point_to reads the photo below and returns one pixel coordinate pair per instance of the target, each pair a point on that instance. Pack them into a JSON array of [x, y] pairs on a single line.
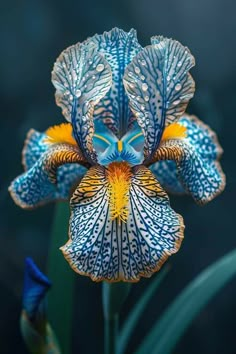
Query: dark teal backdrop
[[33, 33]]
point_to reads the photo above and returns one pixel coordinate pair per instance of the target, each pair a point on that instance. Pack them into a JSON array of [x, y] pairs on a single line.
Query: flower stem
[[111, 331], [60, 296], [113, 296]]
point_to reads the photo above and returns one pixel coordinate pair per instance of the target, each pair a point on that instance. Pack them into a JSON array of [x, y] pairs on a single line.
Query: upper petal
[[159, 87], [197, 158], [82, 78], [105, 248], [134, 137], [119, 48], [37, 185]]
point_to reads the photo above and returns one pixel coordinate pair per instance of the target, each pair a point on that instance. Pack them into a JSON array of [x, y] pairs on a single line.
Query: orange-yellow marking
[[119, 179], [61, 133], [120, 145], [174, 131]]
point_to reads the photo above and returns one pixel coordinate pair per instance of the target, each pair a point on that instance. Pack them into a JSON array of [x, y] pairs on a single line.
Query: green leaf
[[132, 320], [60, 297], [170, 327]]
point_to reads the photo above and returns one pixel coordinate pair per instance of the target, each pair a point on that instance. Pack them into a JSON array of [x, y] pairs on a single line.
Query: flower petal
[[159, 87], [107, 249], [33, 149], [46, 179], [82, 78], [119, 48], [167, 174], [197, 158]]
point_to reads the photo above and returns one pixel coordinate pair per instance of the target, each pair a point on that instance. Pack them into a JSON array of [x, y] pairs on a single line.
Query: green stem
[[113, 296], [111, 331], [60, 297]]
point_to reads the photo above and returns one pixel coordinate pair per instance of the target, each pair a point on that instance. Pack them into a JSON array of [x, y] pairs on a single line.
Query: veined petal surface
[[36, 331], [50, 177], [167, 174], [103, 137], [197, 158], [106, 249], [119, 48], [33, 149], [159, 87], [82, 77]]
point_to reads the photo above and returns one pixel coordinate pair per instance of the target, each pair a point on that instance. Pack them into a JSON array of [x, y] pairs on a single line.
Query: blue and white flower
[[127, 140]]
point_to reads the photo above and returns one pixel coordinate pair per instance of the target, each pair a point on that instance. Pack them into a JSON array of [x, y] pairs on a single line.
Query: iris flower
[[126, 142]]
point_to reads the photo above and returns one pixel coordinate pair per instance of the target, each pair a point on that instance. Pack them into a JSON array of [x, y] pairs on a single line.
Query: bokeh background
[[33, 33]]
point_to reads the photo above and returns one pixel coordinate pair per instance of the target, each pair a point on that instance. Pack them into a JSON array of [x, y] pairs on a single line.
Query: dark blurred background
[[33, 33]]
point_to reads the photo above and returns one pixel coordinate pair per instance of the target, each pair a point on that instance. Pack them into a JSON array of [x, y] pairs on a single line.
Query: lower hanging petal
[[123, 245], [52, 174], [167, 174], [34, 147], [197, 158]]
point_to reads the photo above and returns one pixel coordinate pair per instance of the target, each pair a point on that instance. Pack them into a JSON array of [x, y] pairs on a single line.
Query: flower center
[[119, 179]]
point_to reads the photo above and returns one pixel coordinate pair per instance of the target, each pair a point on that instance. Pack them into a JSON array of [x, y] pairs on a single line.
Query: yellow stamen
[[61, 133], [174, 131], [120, 145], [119, 179]]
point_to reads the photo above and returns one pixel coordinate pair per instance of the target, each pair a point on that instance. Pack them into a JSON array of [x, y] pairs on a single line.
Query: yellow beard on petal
[[174, 131], [61, 133], [119, 179]]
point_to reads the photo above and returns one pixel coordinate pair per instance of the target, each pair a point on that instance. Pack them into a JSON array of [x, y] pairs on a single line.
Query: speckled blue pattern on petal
[[159, 87], [34, 147], [202, 137], [197, 158], [119, 48], [34, 187], [104, 249]]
